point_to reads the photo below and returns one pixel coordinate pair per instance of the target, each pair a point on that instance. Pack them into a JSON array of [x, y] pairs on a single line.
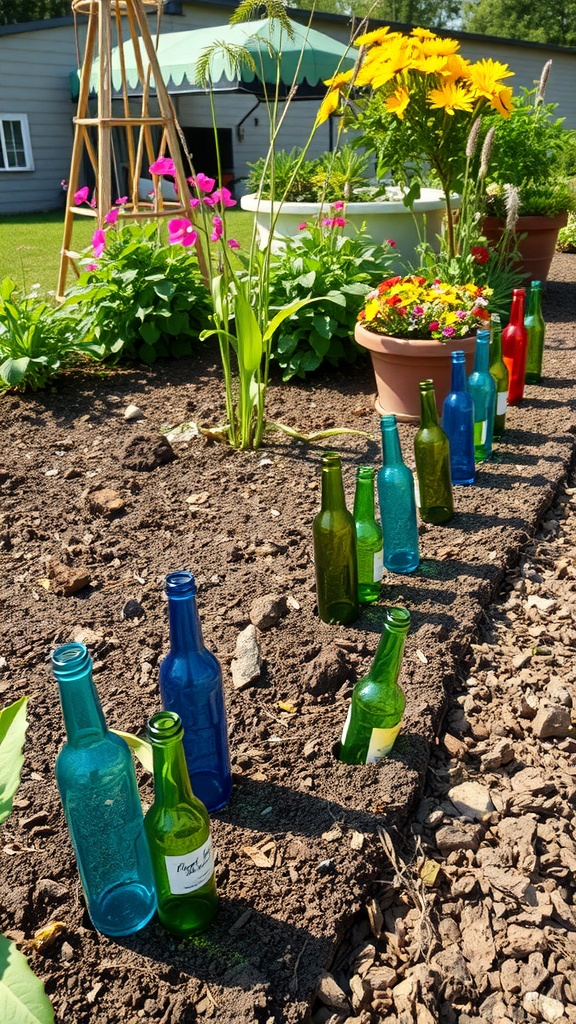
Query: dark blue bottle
[[397, 503], [458, 423], [97, 783], [482, 388], [191, 685]]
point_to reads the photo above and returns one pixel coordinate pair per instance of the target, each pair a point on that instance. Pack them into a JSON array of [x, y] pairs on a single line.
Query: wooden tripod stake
[[137, 127]]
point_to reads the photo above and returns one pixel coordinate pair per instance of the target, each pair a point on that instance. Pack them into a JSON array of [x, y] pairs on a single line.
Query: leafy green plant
[[35, 339], [141, 298], [290, 174], [22, 996], [567, 235], [337, 174], [337, 272]]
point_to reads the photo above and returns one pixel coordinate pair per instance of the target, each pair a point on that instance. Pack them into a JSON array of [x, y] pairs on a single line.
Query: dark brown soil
[[249, 536]]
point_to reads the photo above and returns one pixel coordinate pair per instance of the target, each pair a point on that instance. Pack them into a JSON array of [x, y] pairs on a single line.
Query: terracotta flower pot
[[401, 363], [538, 244]]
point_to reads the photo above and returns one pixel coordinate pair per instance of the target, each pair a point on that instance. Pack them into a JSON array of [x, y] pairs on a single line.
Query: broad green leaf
[[307, 280], [164, 289], [248, 334], [13, 727], [283, 314], [149, 354], [6, 288], [13, 371], [22, 996], [150, 333], [140, 748], [322, 326]]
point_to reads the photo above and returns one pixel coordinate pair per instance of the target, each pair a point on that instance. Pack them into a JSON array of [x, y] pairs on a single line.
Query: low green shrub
[[567, 236], [335, 175], [141, 298], [35, 339]]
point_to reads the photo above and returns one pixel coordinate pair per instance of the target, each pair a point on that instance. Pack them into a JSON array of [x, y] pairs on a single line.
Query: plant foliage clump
[[36, 339]]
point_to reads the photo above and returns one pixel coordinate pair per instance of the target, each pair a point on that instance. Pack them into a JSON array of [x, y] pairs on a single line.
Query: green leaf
[[140, 748], [13, 371], [148, 353], [283, 314], [248, 334], [322, 326], [13, 725], [150, 333], [165, 289], [22, 996]]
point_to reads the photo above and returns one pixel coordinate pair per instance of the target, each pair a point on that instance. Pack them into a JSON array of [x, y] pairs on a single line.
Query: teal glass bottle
[[482, 388], [97, 784], [534, 324], [178, 831], [191, 685], [397, 503], [458, 423], [377, 708], [499, 371], [432, 453], [335, 561], [369, 547]]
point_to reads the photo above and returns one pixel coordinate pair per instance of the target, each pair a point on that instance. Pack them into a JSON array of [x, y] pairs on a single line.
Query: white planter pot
[[382, 219]]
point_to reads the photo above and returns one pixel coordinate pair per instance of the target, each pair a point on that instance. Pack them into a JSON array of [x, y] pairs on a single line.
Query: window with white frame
[[15, 148]]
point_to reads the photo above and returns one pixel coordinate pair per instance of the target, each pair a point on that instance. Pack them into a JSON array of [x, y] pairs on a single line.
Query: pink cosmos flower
[[448, 332], [218, 229], [81, 196], [112, 216], [98, 242], [163, 165], [121, 200], [338, 205], [302, 225], [181, 231], [434, 325], [233, 244], [224, 196], [204, 183], [390, 241]]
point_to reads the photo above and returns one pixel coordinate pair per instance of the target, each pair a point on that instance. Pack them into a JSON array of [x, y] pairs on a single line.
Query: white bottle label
[[191, 870], [378, 566], [484, 431], [501, 403], [346, 724], [381, 743], [416, 490]]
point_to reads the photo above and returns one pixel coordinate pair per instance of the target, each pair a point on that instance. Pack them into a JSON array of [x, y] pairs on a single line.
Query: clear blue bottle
[[97, 784], [397, 503], [482, 388], [191, 685], [458, 423]]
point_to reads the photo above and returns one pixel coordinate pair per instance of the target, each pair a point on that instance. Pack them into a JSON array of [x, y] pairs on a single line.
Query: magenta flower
[[418, 311], [204, 183], [163, 165], [448, 332], [208, 200], [223, 196], [121, 200], [390, 241], [233, 244], [461, 314], [338, 205], [194, 201], [327, 222], [339, 222], [81, 196], [218, 229], [180, 231], [302, 225], [98, 242], [91, 266], [434, 325], [112, 216]]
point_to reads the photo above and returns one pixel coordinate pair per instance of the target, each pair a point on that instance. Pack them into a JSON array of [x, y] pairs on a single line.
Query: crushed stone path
[[475, 920]]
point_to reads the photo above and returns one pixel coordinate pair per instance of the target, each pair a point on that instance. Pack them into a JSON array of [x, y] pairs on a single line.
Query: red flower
[[480, 253]]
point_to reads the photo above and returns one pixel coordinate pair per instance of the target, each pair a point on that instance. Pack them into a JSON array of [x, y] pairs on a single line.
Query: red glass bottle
[[515, 347]]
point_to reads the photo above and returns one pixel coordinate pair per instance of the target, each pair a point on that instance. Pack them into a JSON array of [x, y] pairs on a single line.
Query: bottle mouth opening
[[70, 657], [164, 726], [331, 459], [398, 616], [366, 472], [389, 420], [180, 583]]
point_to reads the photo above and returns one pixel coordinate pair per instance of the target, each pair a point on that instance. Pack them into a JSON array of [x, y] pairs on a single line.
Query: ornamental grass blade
[[140, 748], [13, 725], [248, 334], [22, 996]]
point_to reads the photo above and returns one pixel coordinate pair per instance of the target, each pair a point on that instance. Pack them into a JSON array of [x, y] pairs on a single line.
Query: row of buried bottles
[[351, 551]]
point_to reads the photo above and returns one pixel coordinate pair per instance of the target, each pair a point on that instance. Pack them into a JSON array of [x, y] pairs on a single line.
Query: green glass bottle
[[334, 535], [178, 830], [369, 544], [432, 452], [499, 371], [534, 324], [375, 714]]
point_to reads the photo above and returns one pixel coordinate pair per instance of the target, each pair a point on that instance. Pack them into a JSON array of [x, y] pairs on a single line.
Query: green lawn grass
[[30, 245]]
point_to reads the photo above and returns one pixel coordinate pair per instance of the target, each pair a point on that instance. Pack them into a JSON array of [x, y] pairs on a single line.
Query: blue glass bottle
[[458, 423], [482, 388], [397, 503], [191, 685], [97, 784]]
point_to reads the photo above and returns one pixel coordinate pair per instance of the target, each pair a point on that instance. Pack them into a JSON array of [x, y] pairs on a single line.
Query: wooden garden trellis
[[137, 128]]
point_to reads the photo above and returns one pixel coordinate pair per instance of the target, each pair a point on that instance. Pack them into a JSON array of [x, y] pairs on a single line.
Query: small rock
[[328, 671], [550, 1010], [247, 665], [472, 799], [65, 579], [105, 502], [534, 973], [133, 412], [521, 942], [501, 753], [551, 720], [459, 837], [267, 611], [455, 747], [330, 993], [529, 704], [543, 604], [132, 610], [144, 453], [66, 952]]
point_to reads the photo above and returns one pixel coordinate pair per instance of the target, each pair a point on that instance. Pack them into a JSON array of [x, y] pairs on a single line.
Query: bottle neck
[[534, 297], [458, 375], [364, 497], [496, 343], [332, 488], [517, 310], [388, 657], [428, 413], [171, 779], [185, 628], [83, 716], [391, 451], [481, 362]]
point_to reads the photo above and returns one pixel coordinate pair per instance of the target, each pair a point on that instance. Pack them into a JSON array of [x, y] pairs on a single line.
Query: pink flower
[[218, 229], [418, 311], [194, 201], [448, 332], [223, 196], [81, 196], [338, 205], [121, 200], [434, 325], [98, 242], [163, 165], [390, 241], [233, 244], [93, 201], [112, 216], [339, 222], [181, 231], [91, 266], [208, 200], [302, 225], [461, 314], [327, 222], [204, 183]]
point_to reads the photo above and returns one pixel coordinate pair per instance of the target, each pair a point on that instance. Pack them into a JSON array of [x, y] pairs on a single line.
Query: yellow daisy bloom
[[328, 106], [436, 47], [502, 100], [378, 35], [451, 97], [423, 33], [431, 65], [484, 76], [456, 67], [398, 101], [340, 79]]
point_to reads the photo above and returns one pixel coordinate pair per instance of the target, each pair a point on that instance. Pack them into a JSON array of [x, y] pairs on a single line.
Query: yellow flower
[[436, 47], [456, 67], [340, 79], [423, 33], [376, 36], [398, 101], [431, 65], [451, 97], [328, 106], [381, 64], [484, 77], [502, 100]]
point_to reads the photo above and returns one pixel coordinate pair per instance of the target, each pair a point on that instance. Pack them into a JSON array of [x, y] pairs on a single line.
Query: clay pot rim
[[433, 348], [530, 221]]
